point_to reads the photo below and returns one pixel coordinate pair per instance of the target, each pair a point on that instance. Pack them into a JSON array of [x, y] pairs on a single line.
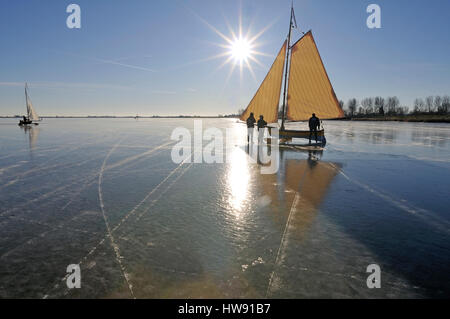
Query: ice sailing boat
[[32, 116], [307, 88]]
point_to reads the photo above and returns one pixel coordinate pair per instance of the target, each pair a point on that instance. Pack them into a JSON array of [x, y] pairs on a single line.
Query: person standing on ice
[[314, 125], [261, 128], [250, 127]]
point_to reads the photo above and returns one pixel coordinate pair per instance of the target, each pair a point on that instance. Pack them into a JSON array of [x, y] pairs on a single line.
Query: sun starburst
[[240, 48]]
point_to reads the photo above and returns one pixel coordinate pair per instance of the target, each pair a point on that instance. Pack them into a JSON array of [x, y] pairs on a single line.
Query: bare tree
[[429, 103], [445, 106], [419, 106], [392, 104], [379, 104], [352, 105], [438, 104], [367, 104]]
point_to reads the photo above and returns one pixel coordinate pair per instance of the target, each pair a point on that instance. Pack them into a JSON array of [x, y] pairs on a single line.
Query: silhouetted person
[[314, 125], [24, 121], [250, 127], [261, 128]]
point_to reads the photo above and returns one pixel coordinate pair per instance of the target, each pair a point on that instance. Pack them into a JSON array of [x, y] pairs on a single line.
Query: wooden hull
[[288, 135], [299, 134]]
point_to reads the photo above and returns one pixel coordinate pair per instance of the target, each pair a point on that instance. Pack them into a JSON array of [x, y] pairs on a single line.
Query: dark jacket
[[251, 122], [314, 123], [261, 124]]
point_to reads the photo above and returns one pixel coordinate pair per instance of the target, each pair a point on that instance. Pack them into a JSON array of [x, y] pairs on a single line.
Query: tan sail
[[266, 100], [309, 88]]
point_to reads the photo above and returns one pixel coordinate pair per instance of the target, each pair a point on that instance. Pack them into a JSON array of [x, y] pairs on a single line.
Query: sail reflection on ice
[[308, 180], [33, 134]]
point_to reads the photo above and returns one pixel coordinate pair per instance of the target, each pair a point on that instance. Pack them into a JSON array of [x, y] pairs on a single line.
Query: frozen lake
[[105, 194]]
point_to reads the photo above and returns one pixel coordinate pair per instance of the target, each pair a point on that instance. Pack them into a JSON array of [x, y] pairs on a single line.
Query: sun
[[241, 50], [240, 47]]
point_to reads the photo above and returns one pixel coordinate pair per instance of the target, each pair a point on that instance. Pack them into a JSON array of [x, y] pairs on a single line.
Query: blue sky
[[154, 57]]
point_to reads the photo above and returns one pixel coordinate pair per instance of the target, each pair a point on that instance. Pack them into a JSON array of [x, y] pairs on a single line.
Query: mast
[[287, 66]]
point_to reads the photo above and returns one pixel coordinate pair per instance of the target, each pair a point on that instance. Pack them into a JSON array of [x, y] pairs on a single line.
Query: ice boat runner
[[31, 117], [307, 88]]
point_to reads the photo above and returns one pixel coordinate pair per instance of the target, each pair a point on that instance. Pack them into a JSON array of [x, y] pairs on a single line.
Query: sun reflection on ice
[[238, 180]]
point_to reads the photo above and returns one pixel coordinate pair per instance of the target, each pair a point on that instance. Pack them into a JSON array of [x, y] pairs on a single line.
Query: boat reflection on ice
[[310, 180], [299, 187], [33, 134]]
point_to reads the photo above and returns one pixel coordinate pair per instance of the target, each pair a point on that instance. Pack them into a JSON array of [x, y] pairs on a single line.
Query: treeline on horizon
[[391, 106]]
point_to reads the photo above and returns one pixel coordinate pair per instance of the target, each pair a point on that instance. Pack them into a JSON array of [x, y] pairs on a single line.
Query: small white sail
[[32, 115]]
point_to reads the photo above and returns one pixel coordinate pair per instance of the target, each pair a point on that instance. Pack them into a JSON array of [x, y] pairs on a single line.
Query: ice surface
[[105, 193]]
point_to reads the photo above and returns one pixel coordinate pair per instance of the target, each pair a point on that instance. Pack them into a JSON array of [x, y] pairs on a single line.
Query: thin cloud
[[123, 64], [12, 83], [132, 57], [112, 62], [163, 92]]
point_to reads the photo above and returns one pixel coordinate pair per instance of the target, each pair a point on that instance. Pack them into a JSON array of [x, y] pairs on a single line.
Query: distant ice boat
[[307, 88], [32, 116]]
